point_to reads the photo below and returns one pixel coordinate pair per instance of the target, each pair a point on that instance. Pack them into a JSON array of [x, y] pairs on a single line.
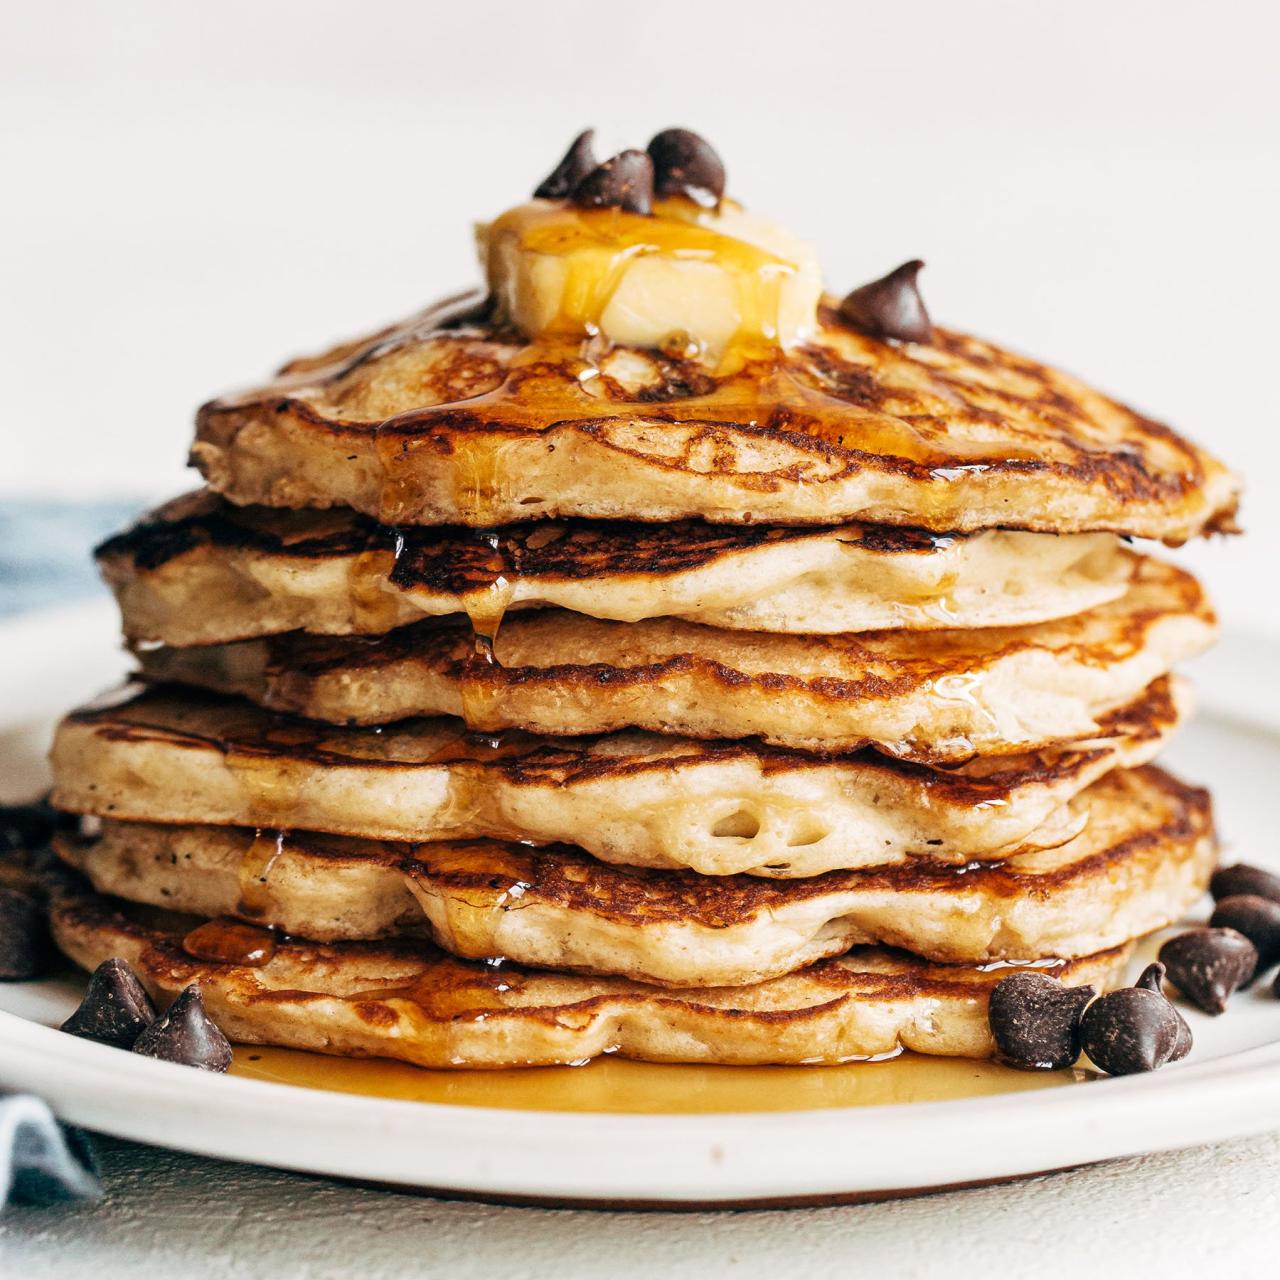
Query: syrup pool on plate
[[620, 1087]]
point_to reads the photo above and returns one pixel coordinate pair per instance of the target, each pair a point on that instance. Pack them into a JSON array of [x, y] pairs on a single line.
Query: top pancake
[[447, 420]]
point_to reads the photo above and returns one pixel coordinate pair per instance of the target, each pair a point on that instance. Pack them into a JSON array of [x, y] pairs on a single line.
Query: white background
[[195, 191]]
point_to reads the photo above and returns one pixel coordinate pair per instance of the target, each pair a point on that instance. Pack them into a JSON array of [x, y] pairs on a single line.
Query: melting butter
[[687, 278]]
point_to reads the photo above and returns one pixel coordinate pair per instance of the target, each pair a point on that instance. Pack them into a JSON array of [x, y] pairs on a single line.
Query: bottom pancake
[[412, 1002], [1144, 856]]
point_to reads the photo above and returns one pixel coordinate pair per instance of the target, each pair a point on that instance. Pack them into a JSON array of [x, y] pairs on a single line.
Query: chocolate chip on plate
[[26, 949], [115, 1010], [685, 164], [1258, 919], [1035, 1021], [186, 1034], [576, 163], [1135, 1028], [624, 181], [890, 307], [1241, 878], [1207, 965]]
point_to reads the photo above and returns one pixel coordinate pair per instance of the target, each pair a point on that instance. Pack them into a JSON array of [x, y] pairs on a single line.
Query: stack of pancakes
[[514, 700]]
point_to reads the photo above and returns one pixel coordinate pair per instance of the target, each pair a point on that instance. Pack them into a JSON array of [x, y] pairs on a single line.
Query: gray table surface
[[170, 1215], [167, 1214]]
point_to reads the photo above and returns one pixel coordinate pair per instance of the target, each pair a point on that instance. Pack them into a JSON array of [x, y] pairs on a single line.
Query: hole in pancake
[[742, 825], [807, 832]]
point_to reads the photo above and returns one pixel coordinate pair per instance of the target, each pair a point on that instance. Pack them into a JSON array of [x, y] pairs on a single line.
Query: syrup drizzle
[[451, 989], [597, 247], [259, 860], [562, 376], [229, 941], [474, 917], [374, 608]]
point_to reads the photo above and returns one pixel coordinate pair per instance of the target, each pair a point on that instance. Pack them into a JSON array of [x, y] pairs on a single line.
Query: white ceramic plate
[[1229, 1086]]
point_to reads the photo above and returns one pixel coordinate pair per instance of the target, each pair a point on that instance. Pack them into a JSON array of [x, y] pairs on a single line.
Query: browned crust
[[454, 982], [904, 404], [574, 880], [527, 760], [455, 560], [445, 646]]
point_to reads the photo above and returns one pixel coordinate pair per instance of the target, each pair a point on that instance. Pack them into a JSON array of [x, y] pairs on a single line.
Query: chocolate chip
[[1135, 1028], [1152, 978], [52, 878], [577, 162], [26, 949], [623, 182], [115, 1010], [1207, 965], [27, 826], [890, 307], [1035, 1020], [1233, 881], [187, 1035], [42, 1162], [1258, 919], [685, 164]]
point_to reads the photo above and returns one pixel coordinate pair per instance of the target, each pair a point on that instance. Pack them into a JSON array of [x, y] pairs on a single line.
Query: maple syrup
[[255, 869], [228, 941], [597, 248], [374, 607], [621, 1087], [472, 921], [557, 376], [269, 794], [451, 989]]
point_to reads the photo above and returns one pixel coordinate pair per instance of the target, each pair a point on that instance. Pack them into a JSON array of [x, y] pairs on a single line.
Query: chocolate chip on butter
[[890, 307], [1207, 965], [686, 164], [1135, 1029], [1258, 918], [576, 163], [115, 1010], [187, 1035], [26, 949], [624, 181], [1035, 1021], [1241, 878]]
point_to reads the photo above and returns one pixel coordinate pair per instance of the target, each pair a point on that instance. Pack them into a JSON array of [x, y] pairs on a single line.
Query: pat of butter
[[684, 277]]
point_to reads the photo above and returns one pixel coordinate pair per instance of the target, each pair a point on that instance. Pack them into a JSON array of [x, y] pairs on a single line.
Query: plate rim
[[725, 1157]]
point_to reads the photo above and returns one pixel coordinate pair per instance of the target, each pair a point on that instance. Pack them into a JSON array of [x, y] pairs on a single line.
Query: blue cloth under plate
[[46, 549]]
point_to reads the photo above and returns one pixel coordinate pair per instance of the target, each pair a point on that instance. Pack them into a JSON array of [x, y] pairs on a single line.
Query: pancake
[[413, 1002], [1143, 859], [718, 808], [201, 571], [447, 420], [935, 697]]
